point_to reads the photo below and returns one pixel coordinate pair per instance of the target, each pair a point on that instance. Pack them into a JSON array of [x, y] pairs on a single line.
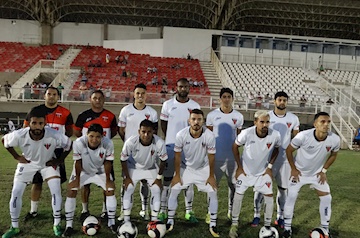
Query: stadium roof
[[323, 18]]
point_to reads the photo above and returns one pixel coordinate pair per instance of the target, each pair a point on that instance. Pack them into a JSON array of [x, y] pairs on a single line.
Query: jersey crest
[[234, 120], [288, 124], [58, 115], [268, 184], [328, 148], [152, 152], [268, 145], [105, 118], [101, 154], [47, 146], [147, 116]]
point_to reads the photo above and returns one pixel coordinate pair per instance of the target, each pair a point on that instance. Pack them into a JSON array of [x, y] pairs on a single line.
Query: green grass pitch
[[343, 177]]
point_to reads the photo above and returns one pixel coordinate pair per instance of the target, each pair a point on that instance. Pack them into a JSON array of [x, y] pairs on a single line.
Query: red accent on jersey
[[101, 155], [268, 145], [47, 146], [328, 148], [268, 184], [288, 124], [234, 120], [147, 116]]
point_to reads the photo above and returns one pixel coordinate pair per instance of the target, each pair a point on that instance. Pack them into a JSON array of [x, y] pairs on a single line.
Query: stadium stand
[[18, 57], [252, 78]]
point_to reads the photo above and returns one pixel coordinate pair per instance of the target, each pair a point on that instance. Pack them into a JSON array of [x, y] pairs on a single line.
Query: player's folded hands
[[158, 182], [212, 181], [176, 179]]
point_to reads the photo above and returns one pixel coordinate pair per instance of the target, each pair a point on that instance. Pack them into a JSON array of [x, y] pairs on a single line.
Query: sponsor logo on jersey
[[234, 120], [310, 147], [173, 108], [147, 116], [252, 142], [26, 145], [328, 148], [55, 128], [268, 145], [187, 143], [268, 184], [217, 118], [203, 144], [88, 119], [47, 146], [152, 152], [21, 169], [58, 114], [101, 154], [131, 114], [288, 124], [105, 118]]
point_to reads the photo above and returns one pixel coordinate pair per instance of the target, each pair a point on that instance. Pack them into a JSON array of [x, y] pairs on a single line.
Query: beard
[[281, 107], [36, 132], [183, 94]]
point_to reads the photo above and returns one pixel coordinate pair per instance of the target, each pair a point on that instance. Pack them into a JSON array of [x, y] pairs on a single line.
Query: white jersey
[[130, 118], [225, 127], [177, 115], [93, 160], [285, 125], [196, 150], [41, 151], [143, 157], [257, 151], [312, 154]]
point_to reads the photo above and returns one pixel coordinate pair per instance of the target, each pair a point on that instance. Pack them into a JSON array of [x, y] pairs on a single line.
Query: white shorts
[[226, 167], [170, 165], [262, 183], [281, 173], [197, 177], [97, 179], [313, 181], [25, 172], [137, 175]]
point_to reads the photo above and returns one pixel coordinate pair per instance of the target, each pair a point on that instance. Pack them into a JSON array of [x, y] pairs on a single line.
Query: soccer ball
[[127, 230], [91, 225], [268, 233], [318, 232], [156, 229]]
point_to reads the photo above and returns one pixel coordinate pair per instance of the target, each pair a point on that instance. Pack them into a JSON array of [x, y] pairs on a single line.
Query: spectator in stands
[[60, 49], [107, 58], [83, 90], [107, 94], [98, 64], [128, 74], [250, 99], [154, 80], [91, 89], [321, 69], [201, 83], [49, 56], [7, 87], [27, 91], [195, 84], [172, 91], [125, 60], [149, 70], [175, 66], [154, 69], [189, 57], [124, 74], [91, 64], [329, 102], [258, 100], [88, 46], [267, 101], [191, 82], [164, 80], [127, 95], [117, 59], [303, 101], [60, 88], [84, 78]]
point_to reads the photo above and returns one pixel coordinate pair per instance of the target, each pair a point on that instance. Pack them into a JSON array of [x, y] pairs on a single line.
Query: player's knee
[[36, 187], [71, 193], [109, 193], [155, 189]]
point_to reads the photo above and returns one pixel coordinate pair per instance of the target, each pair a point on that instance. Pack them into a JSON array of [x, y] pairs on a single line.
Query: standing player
[[96, 114], [254, 168], [226, 123], [174, 117], [93, 155], [316, 151], [10, 125], [129, 121], [60, 119], [144, 149], [198, 145], [37, 144], [288, 125]]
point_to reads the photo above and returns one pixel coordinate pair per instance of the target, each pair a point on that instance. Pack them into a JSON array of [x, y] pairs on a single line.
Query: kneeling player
[[198, 145], [254, 169], [37, 144], [138, 160], [93, 155]]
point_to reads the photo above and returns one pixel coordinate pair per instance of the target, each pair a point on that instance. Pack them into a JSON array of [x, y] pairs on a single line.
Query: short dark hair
[[140, 85], [183, 80], [52, 87], [197, 111], [98, 91], [281, 94], [146, 123], [226, 90], [37, 112], [95, 127], [317, 115]]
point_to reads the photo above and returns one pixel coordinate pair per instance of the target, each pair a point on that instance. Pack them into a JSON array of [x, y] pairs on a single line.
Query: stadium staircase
[[212, 79], [61, 66]]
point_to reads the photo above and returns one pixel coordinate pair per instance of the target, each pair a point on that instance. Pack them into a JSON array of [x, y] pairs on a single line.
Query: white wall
[[22, 31], [154, 47], [116, 32], [78, 34]]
